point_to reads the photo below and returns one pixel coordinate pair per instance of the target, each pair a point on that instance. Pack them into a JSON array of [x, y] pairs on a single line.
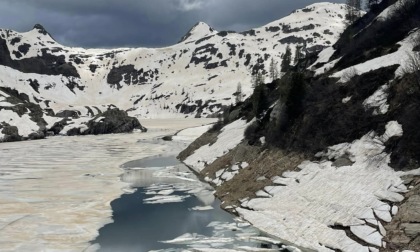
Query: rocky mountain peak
[[41, 29], [199, 30], [195, 78]]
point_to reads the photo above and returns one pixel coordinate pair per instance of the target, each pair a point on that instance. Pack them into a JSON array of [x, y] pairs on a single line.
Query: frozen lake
[[171, 210], [56, 194]]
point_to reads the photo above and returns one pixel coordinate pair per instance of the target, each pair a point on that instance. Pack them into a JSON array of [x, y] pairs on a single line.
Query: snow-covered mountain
[[330, 160], [196, 77]]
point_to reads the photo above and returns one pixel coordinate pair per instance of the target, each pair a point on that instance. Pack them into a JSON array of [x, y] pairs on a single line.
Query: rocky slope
[[327, 157], [196, 77]]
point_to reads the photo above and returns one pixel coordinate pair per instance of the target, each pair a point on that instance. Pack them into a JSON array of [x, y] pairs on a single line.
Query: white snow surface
[[400, 57], [227, 174], [24, 123], [320, 195], [75, 179], [191, 133], [378, 101], [206, 67], [231, 135], [324, 56]]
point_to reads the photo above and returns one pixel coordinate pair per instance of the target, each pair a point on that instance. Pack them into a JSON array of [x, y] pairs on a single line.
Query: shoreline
[[281, 189]]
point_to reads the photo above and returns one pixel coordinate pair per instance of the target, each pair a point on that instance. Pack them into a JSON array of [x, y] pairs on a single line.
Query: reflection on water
[[171, 210], [141, 227], [157, 161]]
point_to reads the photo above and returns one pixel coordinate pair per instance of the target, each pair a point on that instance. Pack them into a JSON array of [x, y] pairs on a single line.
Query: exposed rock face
[[404, 230], [113, 121], [196, 77], [24, 120], [10, 134], [68, 113], [365, 152], [47, 63], [57, 127]]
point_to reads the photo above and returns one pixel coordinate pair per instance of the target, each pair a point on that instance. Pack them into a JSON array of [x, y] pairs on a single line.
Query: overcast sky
[[150, 23]]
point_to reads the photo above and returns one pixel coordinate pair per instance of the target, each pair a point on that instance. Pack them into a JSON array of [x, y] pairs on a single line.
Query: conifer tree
[[273, 70], [287, 59], [353, 8], [372, 3], [297, 54], [258, 102], [238, 93]]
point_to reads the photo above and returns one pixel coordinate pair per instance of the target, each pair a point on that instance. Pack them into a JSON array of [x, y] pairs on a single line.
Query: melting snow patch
[[394, 210], [191, 134], [378, 101], [303, 212], [231, 135], [324, 56], [368, 234], [227, 174], [326, 67], [345, 100], [202, 208], [400, 57], [24, 123], [5, 104], [165, 199]]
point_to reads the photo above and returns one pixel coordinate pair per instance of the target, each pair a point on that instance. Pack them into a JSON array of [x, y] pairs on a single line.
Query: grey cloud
[[108, 23]]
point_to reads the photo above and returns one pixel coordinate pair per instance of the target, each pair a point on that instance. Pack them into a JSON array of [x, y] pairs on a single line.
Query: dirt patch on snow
[[403, 233], [264, 164]]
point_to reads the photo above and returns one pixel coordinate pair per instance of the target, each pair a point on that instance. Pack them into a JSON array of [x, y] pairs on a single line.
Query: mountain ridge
[[327, 156], [194, 78]]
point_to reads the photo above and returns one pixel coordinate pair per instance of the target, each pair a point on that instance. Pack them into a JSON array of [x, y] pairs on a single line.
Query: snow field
[[231, 135], [308, 202], [179, 80]]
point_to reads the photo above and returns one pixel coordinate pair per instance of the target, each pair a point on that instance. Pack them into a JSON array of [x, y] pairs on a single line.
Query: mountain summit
[[197, 77], [198, 31]]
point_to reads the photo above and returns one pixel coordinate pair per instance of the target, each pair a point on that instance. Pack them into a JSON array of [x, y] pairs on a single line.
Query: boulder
[[113, 121], [58, 126], [68, 113], [36, 135], [11, 134]]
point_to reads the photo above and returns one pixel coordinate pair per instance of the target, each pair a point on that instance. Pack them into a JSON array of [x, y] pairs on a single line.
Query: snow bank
[[231, 135], [191, 133], [311, 201]]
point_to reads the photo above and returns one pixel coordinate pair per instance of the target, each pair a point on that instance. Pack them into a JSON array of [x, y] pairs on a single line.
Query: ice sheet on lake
[[226, 236], [165, 199], [55, 194], [202, 208]]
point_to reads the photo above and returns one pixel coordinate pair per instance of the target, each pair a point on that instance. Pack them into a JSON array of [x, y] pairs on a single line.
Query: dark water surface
[[139, 226]]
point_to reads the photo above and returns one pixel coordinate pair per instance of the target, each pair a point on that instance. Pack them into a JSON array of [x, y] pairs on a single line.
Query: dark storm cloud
[[152, 23]]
